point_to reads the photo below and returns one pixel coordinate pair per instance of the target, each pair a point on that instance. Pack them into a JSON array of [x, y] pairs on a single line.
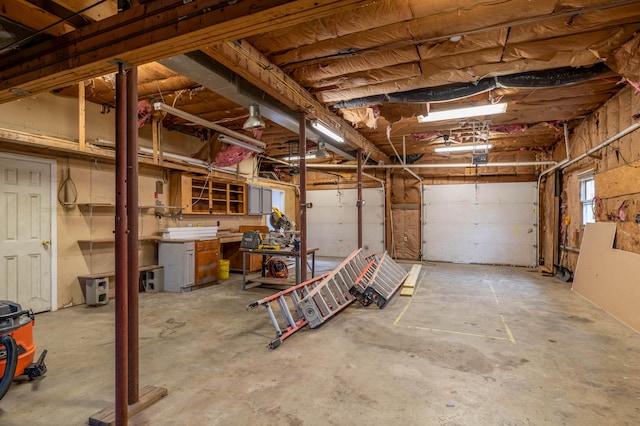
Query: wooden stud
[[82, 117]]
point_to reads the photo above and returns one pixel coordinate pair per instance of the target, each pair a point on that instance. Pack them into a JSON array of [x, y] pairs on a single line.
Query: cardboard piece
[[608, 277]]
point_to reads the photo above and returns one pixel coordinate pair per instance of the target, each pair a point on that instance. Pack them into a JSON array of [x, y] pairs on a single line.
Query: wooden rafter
[[147, 33], [96, 13], [29, 15]]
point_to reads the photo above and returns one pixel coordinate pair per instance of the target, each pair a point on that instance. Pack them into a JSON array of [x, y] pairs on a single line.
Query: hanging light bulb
[[254, 121]]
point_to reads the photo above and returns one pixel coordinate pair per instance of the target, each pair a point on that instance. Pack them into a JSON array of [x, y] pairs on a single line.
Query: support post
[[302, 151], [132, 237], [359, 202], [121, 250]]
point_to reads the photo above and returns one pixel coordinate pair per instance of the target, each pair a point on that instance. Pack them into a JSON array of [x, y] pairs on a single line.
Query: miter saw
[[276, 240]]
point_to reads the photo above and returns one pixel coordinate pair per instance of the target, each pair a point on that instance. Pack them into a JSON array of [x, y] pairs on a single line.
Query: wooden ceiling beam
[[96, 13], [146, 33], [246, 61], [32, 16]]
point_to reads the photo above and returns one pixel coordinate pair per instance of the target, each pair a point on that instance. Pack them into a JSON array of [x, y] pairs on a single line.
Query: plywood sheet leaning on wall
[[608, 277]]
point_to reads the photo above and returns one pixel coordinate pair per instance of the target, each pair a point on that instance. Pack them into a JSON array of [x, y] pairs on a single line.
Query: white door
[[26, 232], [490, 223], [332, 222]]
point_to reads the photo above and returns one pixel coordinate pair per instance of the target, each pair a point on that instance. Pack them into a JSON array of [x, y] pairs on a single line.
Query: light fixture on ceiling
[[321, 152], [463, 112], [254, 121], [464, 147], [455, 38], [318, 125], [232, 141]]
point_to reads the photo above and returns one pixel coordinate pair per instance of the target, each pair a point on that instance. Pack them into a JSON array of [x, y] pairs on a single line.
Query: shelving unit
[[202, 195]]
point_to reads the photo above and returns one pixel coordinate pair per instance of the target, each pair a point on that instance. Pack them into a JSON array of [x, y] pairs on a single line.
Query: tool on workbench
[[292, 324]]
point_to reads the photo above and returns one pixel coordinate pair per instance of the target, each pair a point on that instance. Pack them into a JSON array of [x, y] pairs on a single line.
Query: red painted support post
[[121, 249], [302, 148], [132, 237]]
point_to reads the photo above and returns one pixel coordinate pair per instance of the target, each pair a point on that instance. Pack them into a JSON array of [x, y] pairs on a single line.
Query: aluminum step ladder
[[292, 324], [339, 289], [386, 280]]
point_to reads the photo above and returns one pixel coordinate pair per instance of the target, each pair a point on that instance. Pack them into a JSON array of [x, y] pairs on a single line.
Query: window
[[587, 195]]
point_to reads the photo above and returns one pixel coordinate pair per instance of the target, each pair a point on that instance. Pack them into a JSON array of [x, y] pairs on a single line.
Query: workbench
[[247, 284]]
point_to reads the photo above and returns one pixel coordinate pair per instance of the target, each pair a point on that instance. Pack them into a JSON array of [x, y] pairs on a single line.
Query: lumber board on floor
[[411, 282], [148, 396]]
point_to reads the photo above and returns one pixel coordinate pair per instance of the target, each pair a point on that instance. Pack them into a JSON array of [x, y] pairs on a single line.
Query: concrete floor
[[477, 345]]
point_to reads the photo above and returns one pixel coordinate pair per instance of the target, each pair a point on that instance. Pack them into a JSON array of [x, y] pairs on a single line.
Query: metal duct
[[529, 80], [202, 69]]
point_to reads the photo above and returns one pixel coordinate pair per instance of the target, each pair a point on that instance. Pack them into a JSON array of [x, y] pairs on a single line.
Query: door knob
[[46, 243]]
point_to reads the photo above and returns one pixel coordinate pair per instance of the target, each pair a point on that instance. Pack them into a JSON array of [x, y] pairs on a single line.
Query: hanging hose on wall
[[11, 361], [67, 193], [277, 268]]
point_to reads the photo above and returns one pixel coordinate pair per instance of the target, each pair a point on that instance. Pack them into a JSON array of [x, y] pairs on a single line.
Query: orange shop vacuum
[[17, 348]]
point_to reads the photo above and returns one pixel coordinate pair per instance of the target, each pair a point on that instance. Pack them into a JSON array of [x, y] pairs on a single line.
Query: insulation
[[469, 43], [366, 61], [626, 60], [373, 76], [358, 19], [599, 43]]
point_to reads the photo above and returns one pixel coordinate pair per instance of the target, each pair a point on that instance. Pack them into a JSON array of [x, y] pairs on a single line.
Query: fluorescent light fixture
[[463, 147], [463, 112], [232, 141], [159, 106], [321, 127]]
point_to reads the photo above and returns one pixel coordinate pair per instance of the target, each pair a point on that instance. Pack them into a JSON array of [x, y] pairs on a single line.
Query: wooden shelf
[[113, 240], [201, 195]]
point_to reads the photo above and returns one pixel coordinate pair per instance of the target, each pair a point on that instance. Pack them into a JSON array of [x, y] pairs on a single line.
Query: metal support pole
[[121, 413], [302, 148], [360, 202], [132, 237]]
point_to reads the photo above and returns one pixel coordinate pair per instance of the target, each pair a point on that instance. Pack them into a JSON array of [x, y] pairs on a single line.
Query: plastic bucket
[[224, 269]]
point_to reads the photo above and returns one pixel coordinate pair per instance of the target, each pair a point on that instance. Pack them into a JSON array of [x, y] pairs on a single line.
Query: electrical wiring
[[277, 268], [67, 193]]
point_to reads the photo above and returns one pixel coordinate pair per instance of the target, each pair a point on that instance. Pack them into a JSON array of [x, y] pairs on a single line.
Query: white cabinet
[[259, 200], [179, 262]]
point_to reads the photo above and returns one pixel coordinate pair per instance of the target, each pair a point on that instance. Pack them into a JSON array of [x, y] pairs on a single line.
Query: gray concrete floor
[[476, 345]]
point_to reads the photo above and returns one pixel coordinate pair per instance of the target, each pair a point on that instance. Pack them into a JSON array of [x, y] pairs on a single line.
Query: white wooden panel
[[484, 223], [26, 231], [332, 222], [10, 291], [10, 212]]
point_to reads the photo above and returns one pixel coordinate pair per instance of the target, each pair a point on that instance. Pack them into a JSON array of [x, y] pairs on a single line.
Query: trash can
[[224, 269]]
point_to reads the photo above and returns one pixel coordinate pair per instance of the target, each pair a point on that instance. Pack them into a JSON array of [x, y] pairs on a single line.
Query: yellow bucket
[[224, 269]]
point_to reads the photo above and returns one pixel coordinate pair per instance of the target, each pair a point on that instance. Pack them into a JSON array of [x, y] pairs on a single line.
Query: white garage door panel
[[332, 222], [484, 223]]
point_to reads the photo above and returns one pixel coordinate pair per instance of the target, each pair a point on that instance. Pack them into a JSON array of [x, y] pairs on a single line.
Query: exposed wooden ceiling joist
[[250, 64], [29, 15], [147, 33]]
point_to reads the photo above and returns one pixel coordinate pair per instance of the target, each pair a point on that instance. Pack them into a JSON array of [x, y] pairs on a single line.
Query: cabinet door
[[207, 261], [255, 200], [266, 201], [189, 265]]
